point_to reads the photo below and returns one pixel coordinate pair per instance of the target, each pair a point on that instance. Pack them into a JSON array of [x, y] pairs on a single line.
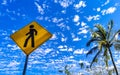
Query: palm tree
[[104, 41], [66, 70]]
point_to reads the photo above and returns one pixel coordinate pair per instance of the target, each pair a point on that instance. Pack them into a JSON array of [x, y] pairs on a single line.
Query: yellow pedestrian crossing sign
[[30, 37]]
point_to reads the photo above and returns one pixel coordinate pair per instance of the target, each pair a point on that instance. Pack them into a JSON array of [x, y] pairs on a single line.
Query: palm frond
[[102, 43], [105, 51], [67, 71], [107, 57], [95, 35], [81, 65], [106, 62], [110, 26], [61, 71], [95, 57], [101, 30], [100, 46], [92, 50], [90, 41], [101, 35], [112, 39], [117, 46]]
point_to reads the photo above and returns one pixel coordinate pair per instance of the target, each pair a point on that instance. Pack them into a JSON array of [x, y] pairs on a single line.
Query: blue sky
[[67, 20]]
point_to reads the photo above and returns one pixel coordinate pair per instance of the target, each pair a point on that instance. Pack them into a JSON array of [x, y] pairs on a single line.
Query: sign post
[[25, 65], [29, 38]]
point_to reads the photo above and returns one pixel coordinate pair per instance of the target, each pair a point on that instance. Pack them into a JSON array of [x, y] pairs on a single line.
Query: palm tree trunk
[[113, 61]]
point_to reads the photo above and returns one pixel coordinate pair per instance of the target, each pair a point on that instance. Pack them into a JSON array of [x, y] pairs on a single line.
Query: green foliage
[[66, 70], [104, 41], [110, 72], [81, 65], [95, 58], [61, 71], [101, 31], [92, 50], [110, 26], [117, 46]]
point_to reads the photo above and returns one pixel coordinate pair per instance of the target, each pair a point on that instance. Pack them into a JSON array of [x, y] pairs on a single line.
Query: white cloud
[[47, 51], [108, 1], [64, 3], [85, 36], [4, 2], [89, 18], [81, 4], [118, 61], [42, 51], [108, 11], [80, 51], [63, 48], [55, 1], [76, 39], [54, 37], [60, 46], [117, 4], [98, 9], [6, 38], [35, 62], [13, 64], [84, 31], [40, 17], [83, 24], [70, 49], [63, 39], [73, 35], [63, 11], [85, 62], [95, 17], [76, 18], [78, 23], [13, 31], [71, 57], [56, 20], [62, 25], [13, 47], [68, 27], [40, 9]]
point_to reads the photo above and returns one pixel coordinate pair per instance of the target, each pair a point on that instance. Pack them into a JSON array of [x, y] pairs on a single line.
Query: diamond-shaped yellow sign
[[30, 37]]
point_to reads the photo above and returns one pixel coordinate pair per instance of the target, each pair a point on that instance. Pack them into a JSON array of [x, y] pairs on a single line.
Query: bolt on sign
[[30, 37]]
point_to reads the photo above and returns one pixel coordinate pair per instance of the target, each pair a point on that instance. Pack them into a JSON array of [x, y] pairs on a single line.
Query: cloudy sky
[[67, 20]]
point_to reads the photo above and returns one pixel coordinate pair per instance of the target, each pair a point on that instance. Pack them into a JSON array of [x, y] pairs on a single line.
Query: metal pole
[[25, 65]]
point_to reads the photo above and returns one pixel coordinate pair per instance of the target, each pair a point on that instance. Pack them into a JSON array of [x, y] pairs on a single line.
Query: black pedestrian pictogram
[[31, 34]]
